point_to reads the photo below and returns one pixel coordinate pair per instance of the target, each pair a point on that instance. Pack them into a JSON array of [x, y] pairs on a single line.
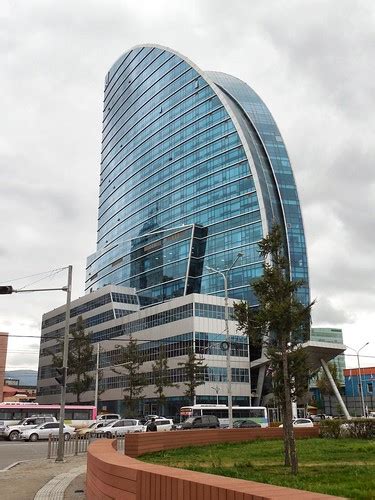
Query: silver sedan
[[43, 431]]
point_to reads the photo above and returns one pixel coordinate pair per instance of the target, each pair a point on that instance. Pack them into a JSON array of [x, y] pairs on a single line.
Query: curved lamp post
[[224, 274], [360, 376]]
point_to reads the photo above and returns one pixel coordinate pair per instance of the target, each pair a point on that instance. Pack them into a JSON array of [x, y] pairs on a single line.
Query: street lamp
[[217, 390], [360, 376], [225, 274], [97, 375]]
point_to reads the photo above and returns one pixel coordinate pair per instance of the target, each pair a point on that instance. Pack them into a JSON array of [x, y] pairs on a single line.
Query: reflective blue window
[[175, 152]]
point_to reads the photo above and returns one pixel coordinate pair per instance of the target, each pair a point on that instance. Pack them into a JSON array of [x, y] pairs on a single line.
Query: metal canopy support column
[[334, 388], [261, 375]]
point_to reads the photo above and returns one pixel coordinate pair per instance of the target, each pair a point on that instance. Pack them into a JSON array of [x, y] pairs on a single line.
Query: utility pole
[[60, 446], [63, 372], [224, 274]]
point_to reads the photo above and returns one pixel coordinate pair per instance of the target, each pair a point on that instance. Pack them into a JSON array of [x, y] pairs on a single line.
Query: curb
[[14, 464]]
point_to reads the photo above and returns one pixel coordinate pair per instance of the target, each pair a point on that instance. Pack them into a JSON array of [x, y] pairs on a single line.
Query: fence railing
[[78, 444]]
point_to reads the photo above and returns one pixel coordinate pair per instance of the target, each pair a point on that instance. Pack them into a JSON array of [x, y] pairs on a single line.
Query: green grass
[[343, 467]]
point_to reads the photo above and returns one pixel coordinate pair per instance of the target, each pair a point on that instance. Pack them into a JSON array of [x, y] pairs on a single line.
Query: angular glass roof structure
[[194, 171]]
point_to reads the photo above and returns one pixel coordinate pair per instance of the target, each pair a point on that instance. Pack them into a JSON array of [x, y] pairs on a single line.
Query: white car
[[162, 424], [301, 422], [92, 428], [13, 431], [108, 416], [120, 427], [42, 431]]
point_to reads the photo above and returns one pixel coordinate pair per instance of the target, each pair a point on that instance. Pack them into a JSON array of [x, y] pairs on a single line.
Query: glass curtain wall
[[180, 183]]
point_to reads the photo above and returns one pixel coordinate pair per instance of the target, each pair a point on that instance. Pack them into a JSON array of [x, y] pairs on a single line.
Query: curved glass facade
[[193, 172]]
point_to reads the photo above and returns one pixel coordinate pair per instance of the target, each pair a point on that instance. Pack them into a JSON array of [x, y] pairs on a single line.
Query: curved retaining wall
[[111, 475], [148, 442]]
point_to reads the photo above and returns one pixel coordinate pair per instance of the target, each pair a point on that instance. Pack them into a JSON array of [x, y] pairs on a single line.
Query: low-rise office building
[[112, 314]]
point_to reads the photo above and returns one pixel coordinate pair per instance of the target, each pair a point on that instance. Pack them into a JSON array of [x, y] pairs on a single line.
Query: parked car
[[42, 431], [119, 428], [93, 427], [162, 424], [13, 432], [108, 416], [319, 417], [301, 422], [203, 422], [245, 424]]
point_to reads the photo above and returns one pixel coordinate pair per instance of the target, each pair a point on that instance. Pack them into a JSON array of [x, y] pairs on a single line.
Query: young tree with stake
[[130, 361], [160, 372], [281, 323], [80, 360], [194, 369]]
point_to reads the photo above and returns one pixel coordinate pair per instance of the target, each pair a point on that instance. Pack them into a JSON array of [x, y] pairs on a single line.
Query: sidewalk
[[24, 481]]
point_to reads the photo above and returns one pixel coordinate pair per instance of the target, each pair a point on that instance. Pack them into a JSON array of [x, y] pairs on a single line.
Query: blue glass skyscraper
[[194, 170]]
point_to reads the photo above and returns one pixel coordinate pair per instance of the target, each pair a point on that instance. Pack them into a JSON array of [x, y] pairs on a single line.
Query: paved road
[[15, 451]]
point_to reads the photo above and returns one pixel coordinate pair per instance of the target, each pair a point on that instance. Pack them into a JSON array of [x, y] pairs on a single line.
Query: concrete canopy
[[321, 350], [315, 352]]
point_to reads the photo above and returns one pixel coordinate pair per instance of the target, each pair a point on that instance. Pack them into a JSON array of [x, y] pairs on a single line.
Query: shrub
[[359, 428], [331, 428]]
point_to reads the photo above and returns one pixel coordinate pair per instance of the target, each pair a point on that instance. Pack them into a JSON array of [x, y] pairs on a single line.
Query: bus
[[76, 415], [256, 413]]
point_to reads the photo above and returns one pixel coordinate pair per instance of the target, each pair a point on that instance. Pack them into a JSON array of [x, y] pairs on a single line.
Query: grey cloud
[[325, 314], [311, 62]]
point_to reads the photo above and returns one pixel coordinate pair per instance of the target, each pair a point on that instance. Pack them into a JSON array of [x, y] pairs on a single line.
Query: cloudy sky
[[312, 61]]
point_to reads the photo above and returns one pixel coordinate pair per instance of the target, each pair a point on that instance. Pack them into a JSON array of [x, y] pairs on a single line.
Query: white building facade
[[112, 314]]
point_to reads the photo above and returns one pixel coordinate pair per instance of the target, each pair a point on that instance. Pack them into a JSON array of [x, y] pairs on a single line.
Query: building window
[[369, 387]]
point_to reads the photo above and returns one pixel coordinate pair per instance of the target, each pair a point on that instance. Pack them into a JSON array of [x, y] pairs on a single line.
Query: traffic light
[[60, 378], [6, 290]]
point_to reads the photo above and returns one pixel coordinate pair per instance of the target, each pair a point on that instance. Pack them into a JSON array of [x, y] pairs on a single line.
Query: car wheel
[[66, 436], [108, 435], [14, 436], [33, 438]]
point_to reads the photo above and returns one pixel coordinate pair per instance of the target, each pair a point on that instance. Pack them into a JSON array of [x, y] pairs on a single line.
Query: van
[[203, 422]]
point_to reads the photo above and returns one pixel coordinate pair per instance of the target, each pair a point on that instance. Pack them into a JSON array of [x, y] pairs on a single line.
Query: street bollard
[[49, 446]]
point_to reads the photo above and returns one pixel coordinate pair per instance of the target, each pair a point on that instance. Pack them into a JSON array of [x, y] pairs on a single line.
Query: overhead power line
[[56, 271]]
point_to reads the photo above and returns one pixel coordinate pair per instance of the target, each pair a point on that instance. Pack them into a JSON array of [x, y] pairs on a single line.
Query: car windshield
[[190, 420]]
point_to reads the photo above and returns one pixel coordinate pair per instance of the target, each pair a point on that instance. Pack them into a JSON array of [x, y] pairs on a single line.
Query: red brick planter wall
[[111, 475], [138, 444]]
